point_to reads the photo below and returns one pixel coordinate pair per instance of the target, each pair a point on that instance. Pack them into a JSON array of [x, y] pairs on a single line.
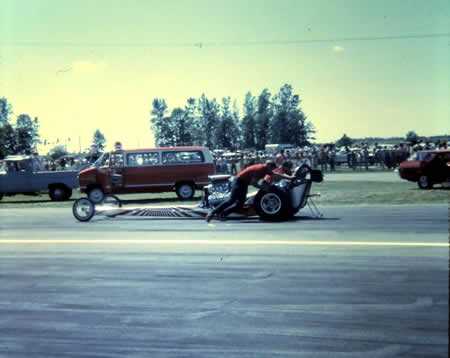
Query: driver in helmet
[[246, 177]]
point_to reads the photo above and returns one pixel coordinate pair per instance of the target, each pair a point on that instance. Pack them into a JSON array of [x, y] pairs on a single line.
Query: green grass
[[372, 192], [332, 193]]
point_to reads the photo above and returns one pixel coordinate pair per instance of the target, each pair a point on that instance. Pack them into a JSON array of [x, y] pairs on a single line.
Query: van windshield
[[103, 161]]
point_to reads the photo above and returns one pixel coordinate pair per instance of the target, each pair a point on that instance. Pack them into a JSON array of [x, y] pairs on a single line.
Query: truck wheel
[[96, 195], [185, 191], [83, 209], [272, 205], [424, 182], [68, 194], [59, 193]]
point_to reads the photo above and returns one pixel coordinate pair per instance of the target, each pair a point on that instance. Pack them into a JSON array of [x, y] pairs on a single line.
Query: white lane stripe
[[226, 242]]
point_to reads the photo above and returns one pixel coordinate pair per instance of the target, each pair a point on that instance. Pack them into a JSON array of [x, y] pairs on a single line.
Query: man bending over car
[[246, 177]]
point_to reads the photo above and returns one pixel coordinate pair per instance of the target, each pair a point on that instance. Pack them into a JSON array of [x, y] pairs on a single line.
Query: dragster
[[271, 202]]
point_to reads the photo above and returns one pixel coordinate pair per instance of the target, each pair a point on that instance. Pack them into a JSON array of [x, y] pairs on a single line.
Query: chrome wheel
[[83, 209], [271, 203]]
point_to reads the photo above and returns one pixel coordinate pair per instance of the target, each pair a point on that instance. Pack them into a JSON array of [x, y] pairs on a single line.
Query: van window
[[142, 159], [182, 157], [116, 159]]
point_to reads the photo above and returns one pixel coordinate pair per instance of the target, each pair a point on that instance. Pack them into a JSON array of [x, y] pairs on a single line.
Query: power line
[[226, 43]]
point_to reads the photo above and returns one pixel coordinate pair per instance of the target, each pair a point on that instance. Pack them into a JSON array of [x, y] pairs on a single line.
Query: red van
[[157, 170], [427, 168]]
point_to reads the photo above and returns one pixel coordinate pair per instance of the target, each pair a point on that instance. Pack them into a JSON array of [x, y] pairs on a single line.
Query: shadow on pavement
[[40, 201], [158, 200], [257, 220]]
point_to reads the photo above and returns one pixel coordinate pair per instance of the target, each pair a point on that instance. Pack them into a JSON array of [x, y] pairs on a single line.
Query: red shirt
[[269, 178], [253, 173]]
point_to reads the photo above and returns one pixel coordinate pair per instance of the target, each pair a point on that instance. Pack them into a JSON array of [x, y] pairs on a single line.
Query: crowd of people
[[328, 157]]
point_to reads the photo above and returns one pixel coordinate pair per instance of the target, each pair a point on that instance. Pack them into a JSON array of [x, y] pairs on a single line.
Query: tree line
[[20, 138], [204, 121]]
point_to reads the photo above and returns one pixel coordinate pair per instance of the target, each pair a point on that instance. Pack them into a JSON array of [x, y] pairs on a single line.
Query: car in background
[[156, 170], [21, 174], [427, 167]]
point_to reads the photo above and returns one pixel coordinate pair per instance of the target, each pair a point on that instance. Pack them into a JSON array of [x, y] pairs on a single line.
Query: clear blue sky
[[82, 65]]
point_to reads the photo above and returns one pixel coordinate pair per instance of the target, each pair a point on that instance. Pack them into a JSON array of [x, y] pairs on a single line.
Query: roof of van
[[16, 158], [186, 148]]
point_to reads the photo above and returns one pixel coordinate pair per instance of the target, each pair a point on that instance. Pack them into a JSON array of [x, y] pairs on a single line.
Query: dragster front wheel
[[83, 209]]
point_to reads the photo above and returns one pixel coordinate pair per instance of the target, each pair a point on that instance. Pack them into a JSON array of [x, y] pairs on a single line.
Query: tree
[[160, 124], [262, 119], [195, 118], [237, 127], [344, 141], [289, 124], [181, 121], [8, 140], [227, 131], [284, 102], [412, 137], [27, 134], [57, 152], [5, 111], [249, 122], [99, 140], [208, 121]]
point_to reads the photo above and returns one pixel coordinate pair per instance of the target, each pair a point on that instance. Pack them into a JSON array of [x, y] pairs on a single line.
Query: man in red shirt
[[285, 168], [246, 177]]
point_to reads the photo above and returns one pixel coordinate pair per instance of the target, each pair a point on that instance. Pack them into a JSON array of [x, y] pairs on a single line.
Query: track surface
[[363, 282]]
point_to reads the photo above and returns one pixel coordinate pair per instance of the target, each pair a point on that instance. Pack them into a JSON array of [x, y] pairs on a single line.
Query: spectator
[[332, 158], [280, 158], [323, 158]]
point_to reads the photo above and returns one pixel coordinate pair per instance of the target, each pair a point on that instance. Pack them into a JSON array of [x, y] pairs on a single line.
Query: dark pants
[[236, 200]]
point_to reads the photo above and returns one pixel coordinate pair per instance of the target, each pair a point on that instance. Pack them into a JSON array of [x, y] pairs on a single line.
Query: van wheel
[[59, 193], [96, 195], [185, 191], [272, 205], [424, 182]]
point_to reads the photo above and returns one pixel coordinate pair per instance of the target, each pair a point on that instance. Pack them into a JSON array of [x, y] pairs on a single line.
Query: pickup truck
[[23, 175]]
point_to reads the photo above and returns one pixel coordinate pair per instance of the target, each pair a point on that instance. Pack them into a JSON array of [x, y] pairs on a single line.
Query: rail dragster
[[270, 202]]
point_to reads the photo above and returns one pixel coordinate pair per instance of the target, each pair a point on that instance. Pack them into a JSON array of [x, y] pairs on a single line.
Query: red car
[[427, 168]]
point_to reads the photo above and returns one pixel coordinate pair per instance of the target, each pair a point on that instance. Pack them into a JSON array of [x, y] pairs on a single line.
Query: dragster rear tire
[[83, 209], [272, 205]]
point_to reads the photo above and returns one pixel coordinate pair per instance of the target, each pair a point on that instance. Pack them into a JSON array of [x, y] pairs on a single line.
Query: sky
[[82, 65]]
